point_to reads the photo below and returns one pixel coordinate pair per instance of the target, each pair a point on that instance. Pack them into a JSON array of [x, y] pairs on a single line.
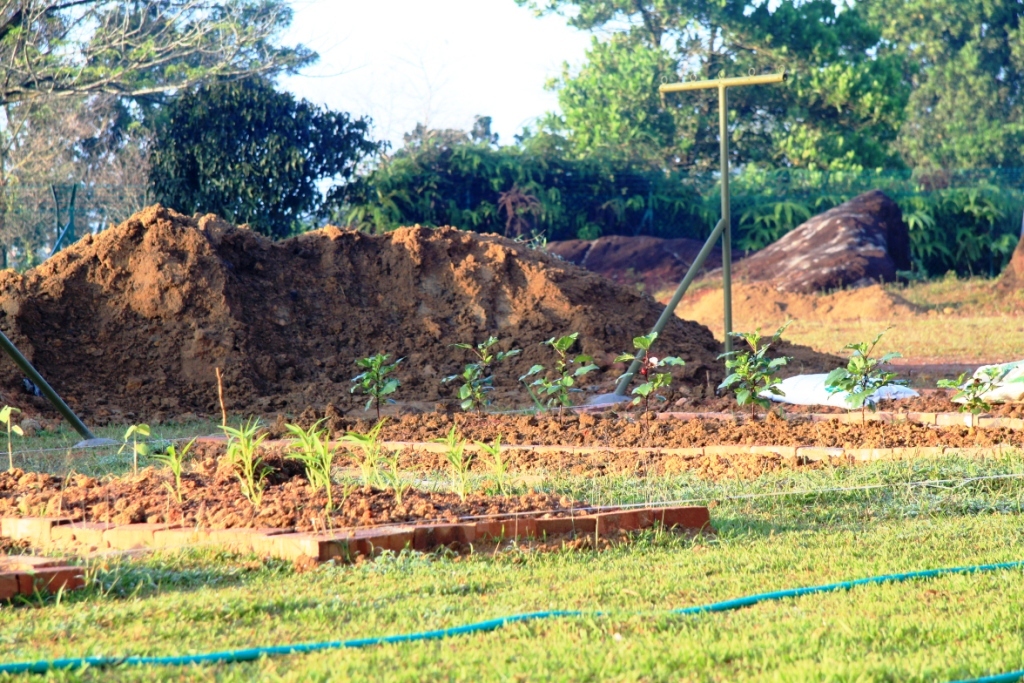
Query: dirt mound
[[131, 323], [652, 261], [855, 244]]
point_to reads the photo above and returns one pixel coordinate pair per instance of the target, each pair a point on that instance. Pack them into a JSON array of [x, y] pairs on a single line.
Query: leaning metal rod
[[670, 307], [44, 387]]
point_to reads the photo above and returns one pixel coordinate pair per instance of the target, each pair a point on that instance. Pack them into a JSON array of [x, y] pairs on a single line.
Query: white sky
[[439, 62]]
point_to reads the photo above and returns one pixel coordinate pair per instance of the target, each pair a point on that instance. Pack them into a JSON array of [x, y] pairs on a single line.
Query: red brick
[[85, 533], [35, 529], [51, 579], [240, 540], [818, 453], [621, 520], [179, 538], [429, 536], [782, 451], [726, 451], [921, 418], [566, 525], [9, 586], [953, 419], [23, 563], [131, 536], [693, 517], [506, 529]]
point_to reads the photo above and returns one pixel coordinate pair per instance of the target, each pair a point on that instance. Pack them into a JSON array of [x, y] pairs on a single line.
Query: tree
[[254, 155]]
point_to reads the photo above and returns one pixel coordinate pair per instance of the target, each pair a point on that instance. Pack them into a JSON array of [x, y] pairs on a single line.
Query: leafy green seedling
[[312, 447], [649, 366], [243, 453], [752, 372], [175, 460], [497, 464], [863, 375], [392, 478], [138, 448], [476, 377], [972, 390], [374, 381], [370, 455], [7, 417], [459, 460], [567, 371]]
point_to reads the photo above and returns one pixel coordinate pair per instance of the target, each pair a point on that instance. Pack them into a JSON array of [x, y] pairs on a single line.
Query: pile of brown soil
[[130, 324], [212, 500]]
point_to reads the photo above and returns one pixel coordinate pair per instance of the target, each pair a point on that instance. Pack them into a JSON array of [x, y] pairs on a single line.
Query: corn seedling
[[243, 453], [476, 377], [138, 447], [392, 478], [374, 381], [370, 455], [312, 447], [567, 370], [497, 464], [175, 460], [7, 417], [649, 366], [458, 460], [863, 375], [970, 391], [751, 372]]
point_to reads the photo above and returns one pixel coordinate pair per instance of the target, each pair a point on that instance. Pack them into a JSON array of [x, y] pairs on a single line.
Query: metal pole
[[44, 387], [670, 307], [723, 132]]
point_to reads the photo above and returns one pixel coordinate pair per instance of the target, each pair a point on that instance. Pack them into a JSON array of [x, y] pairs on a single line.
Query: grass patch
[[940, 629]]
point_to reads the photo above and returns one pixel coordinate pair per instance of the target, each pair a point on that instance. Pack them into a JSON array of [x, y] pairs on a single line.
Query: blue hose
[[231, 656]]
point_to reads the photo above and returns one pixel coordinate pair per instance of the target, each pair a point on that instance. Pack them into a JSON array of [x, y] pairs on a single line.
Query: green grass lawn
[[933, 630]]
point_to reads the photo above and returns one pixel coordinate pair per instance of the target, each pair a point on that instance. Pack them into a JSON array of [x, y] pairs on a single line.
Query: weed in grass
[[476, 377], [459, 460], [649, 365], [374, 381], [133, 433], [175, 460], [243, 452], [312, 447], [497, 464], [7, 417], [751, 372], [567, 370], [392, 478], [370, 453], [863, 375]]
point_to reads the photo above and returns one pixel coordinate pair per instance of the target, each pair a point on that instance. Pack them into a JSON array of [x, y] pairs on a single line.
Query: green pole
[[723, 132], [44, 387]]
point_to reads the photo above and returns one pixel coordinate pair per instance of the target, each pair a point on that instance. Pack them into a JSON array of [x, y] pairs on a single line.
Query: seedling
[[476, 377], [175, 460], [649, 366], [374, 381], [751, 372], [393, 478], [370, 454], [312, 447], [863, 375], [243, 453], [459, 461], [138, 448], [567, 370], [497, 464], [972, 390], [7, 417]]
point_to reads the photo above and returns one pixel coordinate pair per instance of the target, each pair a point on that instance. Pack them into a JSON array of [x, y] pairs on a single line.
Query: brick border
[[27, 575], [341, 545], [889, 417]]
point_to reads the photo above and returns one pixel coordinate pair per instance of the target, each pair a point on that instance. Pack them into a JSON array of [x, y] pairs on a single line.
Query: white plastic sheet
[[809, 390]]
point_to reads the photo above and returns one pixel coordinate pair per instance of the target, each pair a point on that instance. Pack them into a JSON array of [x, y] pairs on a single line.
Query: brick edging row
[[886, 416]]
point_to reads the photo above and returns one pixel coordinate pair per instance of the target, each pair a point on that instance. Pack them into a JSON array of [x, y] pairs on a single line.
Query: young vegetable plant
[[498, 465], [175, 460], [7, 417], [649, 366], [476, 377], [374, 381], [138, 448], [459, 460], [863, 375], [312, 447], [243, 453], [392, 478], [971, 391], [567, 371], [751, 371], [370, 455]]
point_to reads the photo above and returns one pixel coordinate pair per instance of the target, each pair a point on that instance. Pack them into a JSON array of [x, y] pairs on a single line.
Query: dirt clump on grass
[[128, 325]]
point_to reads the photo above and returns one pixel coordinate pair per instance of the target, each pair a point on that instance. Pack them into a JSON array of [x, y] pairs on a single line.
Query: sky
[[439, 62]]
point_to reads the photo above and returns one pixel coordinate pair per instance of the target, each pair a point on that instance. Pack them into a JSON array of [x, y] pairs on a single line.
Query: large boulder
[[858, 243], [656, 263]]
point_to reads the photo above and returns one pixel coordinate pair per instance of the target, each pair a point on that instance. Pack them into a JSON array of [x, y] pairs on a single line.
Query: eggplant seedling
[[752, 371], [476, 377], [970, 391], [649, 366], [863, 375], [374, 381], [567, 370], [7, 417]]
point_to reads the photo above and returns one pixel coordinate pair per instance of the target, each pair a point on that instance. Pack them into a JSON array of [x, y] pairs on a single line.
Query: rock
[[858, 243], [655, 262], [30, 426]]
